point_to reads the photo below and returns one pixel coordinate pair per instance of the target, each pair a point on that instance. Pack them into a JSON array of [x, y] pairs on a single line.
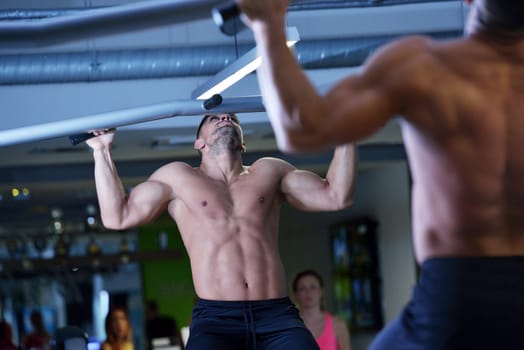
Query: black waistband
[[491, 264], [446, 282], [244, 303]]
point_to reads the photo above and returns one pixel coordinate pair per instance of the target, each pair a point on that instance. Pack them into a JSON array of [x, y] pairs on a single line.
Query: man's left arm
[[306, 190]]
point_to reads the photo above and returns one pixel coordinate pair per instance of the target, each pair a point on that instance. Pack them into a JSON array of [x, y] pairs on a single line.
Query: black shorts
[[249, 325], [462, 304]]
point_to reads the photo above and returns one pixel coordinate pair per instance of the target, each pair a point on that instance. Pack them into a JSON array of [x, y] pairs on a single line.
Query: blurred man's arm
[[302, 119], [308, 191]]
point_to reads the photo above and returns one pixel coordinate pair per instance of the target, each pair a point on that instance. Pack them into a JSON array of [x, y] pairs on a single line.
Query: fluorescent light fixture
[[246, 64]]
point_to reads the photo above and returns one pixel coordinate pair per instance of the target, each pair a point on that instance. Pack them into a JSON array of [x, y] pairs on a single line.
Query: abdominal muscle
[[239, 268], [234, 258]]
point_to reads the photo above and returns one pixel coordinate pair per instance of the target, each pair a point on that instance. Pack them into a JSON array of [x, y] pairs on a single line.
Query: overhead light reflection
[[57, 225], [244, 65], [20, 193], [91, 219]]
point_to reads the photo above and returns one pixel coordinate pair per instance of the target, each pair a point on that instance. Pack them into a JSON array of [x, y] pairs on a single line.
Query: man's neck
[[225, 166]]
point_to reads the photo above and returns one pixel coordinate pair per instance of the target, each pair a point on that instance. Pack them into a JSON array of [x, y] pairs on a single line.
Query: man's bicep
[[303, 189], [147, 200]]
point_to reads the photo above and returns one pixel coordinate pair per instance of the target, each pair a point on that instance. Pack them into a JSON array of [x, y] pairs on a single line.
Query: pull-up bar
[[127, 117], [116, 20]]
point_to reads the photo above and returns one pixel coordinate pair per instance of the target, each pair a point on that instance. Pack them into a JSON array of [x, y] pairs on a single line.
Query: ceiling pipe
[[93, 66], [99, 22], [33, 14], [297, 5]]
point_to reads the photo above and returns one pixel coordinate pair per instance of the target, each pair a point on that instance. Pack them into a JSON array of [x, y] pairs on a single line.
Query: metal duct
[[173, 62], [113, 65]]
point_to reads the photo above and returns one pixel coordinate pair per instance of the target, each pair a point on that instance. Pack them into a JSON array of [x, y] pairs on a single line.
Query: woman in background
[[118, 330], [6, 336], [330, 332], [39, 338]]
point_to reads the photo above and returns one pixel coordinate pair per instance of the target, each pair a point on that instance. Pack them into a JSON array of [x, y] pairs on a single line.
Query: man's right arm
[[352, 110], [118, 211]]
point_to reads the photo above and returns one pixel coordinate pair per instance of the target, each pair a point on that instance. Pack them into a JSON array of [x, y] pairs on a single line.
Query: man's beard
[[226, 138]]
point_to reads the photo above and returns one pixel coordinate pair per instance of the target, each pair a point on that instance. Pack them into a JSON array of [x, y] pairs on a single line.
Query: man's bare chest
[[249, 195]]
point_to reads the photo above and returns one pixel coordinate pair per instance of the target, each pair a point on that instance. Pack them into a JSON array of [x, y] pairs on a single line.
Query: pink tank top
[[328, 339]]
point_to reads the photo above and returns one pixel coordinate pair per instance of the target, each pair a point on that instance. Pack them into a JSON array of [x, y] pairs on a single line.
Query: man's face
[[222, 129]]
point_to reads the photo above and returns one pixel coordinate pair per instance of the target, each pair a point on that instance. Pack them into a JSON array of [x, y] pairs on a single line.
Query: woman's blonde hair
[[110, 334]]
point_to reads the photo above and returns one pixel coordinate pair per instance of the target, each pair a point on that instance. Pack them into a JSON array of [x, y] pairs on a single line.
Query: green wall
[[167, 282]]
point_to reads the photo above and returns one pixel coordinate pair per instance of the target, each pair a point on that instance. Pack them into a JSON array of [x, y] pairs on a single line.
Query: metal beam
[[31, 267]]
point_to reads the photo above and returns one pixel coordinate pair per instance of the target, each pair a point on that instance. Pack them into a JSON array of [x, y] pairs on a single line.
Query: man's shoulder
[[408, 45], [272, 163], [411, 51], [270, 160], [399, 61], [173, 170], [417, 47], [177, 167]]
